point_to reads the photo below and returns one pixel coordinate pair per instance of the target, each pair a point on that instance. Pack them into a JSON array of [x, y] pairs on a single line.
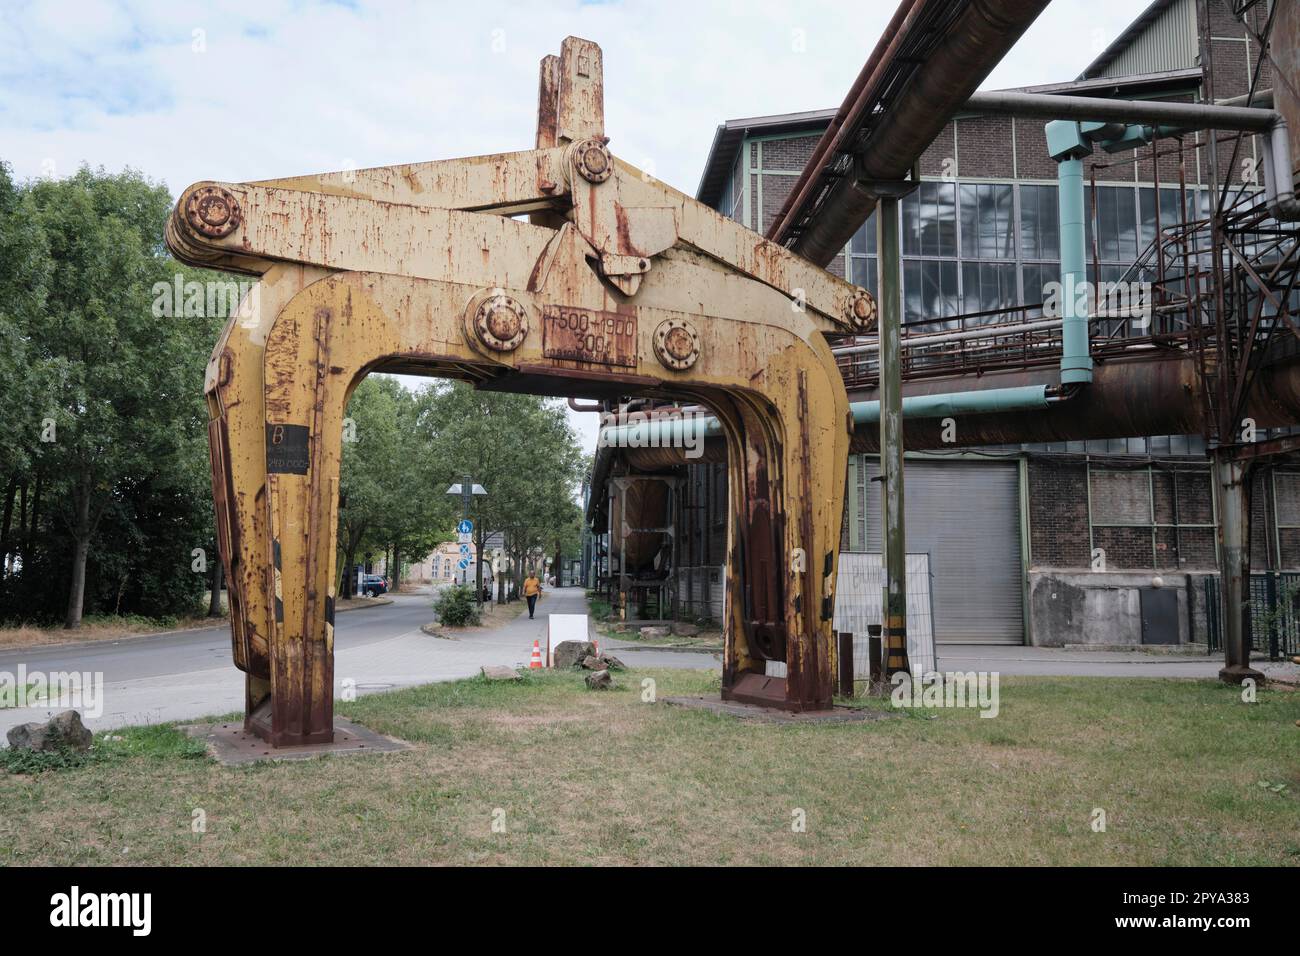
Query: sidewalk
[[1069, 662]]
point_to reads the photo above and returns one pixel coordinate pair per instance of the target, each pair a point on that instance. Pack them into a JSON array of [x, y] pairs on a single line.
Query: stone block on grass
[[571, 653], [63, 731]]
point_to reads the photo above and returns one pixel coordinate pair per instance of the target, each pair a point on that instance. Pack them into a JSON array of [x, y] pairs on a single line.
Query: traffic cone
[[536, 662]]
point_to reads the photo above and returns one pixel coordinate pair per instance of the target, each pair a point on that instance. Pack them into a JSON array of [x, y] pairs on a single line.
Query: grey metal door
[[966, 515], [1159, 615]]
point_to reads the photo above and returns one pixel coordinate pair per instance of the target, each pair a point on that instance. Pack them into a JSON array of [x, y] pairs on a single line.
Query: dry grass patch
[[578, 777], [100, 628]]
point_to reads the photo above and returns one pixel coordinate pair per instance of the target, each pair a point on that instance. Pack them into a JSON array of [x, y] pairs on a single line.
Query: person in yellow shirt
[[532, 591]]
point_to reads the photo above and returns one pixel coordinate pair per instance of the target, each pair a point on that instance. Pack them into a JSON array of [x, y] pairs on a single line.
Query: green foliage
[[120, 495], [21, 761], [153, 740], [456, 607], [523, 451], [149, 740], [389, 497]]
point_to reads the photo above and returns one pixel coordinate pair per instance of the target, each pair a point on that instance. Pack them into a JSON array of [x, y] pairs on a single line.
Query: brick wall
[[1059, 517], [1058, 514]]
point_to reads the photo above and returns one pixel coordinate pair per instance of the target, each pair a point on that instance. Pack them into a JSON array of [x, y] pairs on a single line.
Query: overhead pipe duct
[[1131, 397], [690, 434], [913, 112], [1164, 119], [943, 338]]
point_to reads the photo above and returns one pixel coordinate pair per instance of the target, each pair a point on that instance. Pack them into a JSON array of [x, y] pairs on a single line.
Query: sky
[[186, 91]]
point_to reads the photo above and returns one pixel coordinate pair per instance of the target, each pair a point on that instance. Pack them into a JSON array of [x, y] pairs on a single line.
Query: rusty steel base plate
[[769, 715], [231, 745]]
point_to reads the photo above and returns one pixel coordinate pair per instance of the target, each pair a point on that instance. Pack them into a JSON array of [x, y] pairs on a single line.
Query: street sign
[[462, 564], [465, 539], [465, 526]]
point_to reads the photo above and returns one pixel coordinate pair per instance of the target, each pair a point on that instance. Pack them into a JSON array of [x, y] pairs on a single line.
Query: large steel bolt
[[593, 160], [213, 212], [862, 310], [501, 323], [676, 344]]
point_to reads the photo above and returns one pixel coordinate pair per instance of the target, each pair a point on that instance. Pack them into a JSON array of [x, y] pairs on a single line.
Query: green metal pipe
[[691, 432], [947, 404], [1076, 363]]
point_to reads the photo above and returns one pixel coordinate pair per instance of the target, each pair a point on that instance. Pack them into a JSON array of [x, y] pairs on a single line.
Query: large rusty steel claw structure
[[614, 285]]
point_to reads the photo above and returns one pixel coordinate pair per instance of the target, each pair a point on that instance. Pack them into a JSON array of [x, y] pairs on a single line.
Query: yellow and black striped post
[[896, 647]]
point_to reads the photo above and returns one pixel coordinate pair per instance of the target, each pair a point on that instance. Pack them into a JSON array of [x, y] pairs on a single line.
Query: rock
[[610, 662], [655, 633], [500, 672], [592, 663], [599, 680], [63, 731], [682, 629], [570, 653]]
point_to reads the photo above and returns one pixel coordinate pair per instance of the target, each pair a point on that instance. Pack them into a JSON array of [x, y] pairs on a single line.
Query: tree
[[369, 457], [113, 445], [25, 268], [521, 448], [390, 497]]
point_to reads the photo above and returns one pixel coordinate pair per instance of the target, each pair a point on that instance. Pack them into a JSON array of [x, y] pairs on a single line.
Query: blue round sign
[[465, 526]]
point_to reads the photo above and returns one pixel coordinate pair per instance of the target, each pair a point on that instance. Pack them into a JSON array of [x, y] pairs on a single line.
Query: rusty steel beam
[[618, 285]]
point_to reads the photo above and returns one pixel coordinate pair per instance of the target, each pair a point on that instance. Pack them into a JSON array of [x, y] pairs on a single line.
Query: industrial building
[[1101, 541]]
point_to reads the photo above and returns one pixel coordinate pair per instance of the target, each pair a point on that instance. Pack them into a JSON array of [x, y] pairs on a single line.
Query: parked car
[[372, 585]]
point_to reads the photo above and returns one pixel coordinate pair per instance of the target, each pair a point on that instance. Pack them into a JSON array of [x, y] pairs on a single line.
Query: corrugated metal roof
[[1158, 40]]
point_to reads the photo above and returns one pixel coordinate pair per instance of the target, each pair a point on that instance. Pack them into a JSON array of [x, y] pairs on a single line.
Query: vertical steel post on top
[[893, 532]]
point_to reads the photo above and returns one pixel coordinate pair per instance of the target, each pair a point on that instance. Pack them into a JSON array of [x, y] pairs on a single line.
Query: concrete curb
[[375, 602]]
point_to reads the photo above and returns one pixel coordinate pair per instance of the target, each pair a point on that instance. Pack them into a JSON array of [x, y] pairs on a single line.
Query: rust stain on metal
[[213, 212], [589, 335]]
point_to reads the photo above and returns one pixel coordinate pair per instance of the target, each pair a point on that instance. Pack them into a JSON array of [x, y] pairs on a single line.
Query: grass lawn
[[578, 777]]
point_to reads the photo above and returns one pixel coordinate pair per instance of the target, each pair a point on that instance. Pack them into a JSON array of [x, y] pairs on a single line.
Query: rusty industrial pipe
[[974, 44], [848, 116], [1131, 397]]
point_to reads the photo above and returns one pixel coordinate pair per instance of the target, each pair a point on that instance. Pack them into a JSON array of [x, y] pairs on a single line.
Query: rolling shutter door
[[966, 515]]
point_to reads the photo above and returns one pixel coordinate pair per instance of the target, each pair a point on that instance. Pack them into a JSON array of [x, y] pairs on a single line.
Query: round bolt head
[[213, 212], [593, 160], [501, 323], [862, 310], [676, 344]]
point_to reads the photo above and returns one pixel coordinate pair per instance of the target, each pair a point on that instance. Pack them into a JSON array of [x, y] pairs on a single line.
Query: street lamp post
[[467, 490]]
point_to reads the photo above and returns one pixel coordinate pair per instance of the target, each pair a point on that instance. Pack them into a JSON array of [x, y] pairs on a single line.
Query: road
[[188, 674]]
